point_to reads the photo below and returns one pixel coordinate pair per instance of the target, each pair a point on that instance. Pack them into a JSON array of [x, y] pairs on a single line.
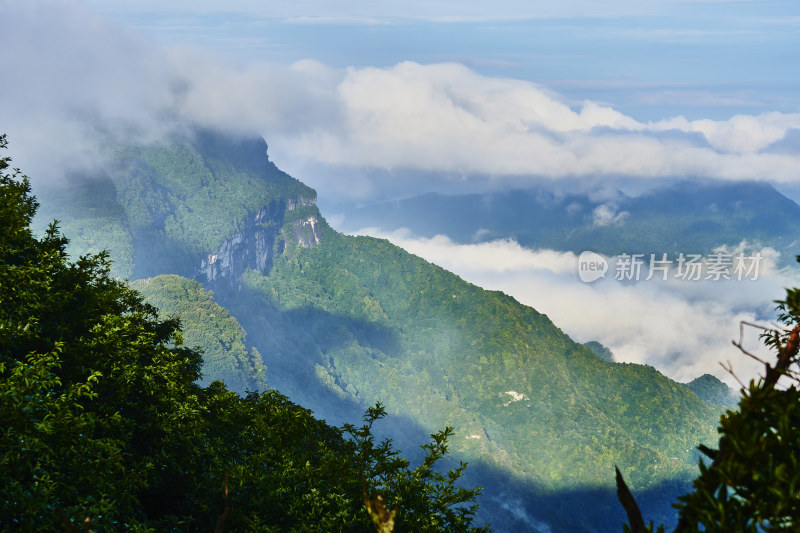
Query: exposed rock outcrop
[[307, 231], [258, 242]]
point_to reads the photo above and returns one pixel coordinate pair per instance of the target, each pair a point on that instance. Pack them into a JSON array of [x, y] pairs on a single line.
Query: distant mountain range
[[686, 216], [216, 234]]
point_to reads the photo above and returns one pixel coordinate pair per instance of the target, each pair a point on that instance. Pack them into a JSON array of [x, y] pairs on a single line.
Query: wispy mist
[[683, 328]]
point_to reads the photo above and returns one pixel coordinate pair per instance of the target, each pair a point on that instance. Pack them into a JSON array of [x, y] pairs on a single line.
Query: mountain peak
[[713, 391]]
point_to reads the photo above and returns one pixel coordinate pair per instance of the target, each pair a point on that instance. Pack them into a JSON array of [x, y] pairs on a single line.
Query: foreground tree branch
[[752, 483]]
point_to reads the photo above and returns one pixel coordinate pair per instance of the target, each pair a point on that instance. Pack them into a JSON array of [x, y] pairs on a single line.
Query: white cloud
[[683, 328], [62, 64], [498, 257], [64, 67], [742, 134], [686, 97], [606, 215], [67, 71], [448, 119], [282, 101]]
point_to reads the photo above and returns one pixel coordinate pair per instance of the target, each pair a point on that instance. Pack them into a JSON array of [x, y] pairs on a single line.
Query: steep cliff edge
[[262, 238], [200, 204]]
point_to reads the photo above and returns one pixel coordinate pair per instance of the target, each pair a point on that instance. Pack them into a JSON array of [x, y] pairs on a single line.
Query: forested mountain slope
[[341, 322], [208, 325]]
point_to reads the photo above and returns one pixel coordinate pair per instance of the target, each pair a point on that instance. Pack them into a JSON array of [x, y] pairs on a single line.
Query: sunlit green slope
[[520, 391], [343, 322], [207, 325]]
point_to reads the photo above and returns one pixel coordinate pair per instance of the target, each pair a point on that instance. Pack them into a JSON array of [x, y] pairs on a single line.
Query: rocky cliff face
[[259, 241], [307, 231]]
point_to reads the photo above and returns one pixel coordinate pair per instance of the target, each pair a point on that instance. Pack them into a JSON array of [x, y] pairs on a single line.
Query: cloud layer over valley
[[63, 64], [683, 328]]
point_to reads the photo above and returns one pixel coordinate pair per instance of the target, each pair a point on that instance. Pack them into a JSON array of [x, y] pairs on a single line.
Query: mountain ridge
[[702, 215], [342, 322]]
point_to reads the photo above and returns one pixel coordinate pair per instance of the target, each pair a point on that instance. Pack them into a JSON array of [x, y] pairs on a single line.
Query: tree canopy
[[751, 482], [105, 428]]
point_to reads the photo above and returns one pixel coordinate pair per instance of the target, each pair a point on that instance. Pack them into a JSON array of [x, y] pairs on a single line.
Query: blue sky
[[651, 59]]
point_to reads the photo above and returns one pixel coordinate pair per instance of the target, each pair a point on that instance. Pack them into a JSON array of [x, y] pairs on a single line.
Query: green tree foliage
[[602, 351], [105, 429], [430, 499], [209, 326], [751, 482], [78, 358], [58, 460]]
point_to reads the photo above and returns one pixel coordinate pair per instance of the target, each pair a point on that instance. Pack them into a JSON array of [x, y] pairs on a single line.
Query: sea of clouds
[[69, 75], [683, 327]]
